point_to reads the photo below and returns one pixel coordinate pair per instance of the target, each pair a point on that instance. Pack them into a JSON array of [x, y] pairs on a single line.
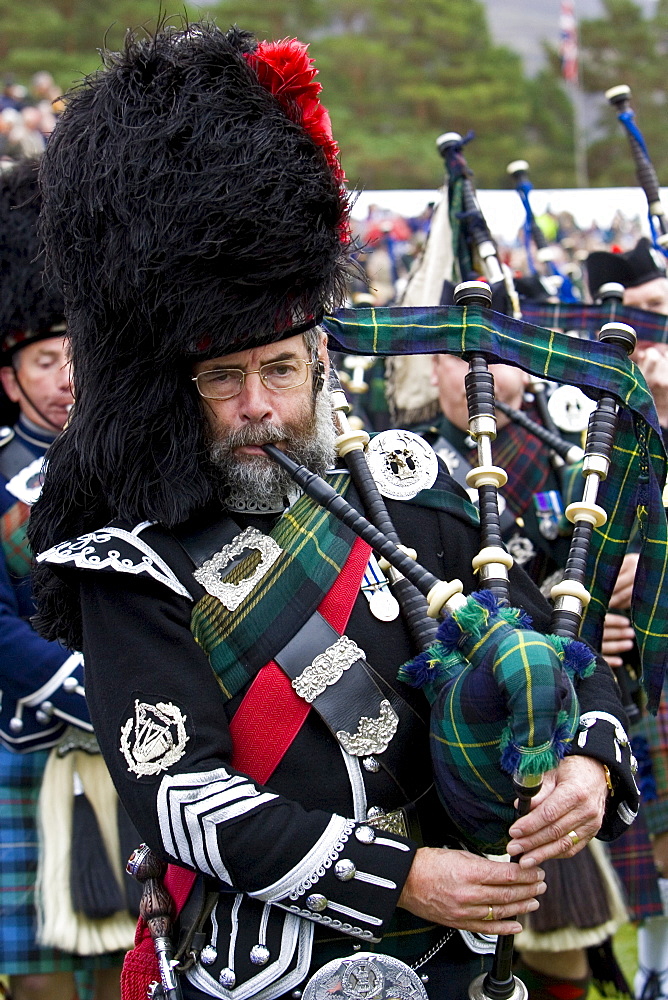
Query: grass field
[[626, 952]]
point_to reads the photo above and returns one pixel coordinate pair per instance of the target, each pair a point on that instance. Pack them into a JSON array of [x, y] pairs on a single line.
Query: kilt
[[20, 781], [632, 859]]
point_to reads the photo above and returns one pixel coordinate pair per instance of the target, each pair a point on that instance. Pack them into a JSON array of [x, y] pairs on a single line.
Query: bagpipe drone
[[504, 707]]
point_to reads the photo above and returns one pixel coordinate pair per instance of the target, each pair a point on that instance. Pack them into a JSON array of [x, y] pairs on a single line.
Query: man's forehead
[[287, 348], [52, 346]]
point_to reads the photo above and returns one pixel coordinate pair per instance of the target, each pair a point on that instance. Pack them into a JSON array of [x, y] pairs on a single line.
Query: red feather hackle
[[286, 70]]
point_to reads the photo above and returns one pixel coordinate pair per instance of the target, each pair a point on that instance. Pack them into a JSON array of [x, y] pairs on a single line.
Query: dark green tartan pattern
[[587, 318], [632, 492], [452, 503], [515, 689], [315, 547], [13, 525]]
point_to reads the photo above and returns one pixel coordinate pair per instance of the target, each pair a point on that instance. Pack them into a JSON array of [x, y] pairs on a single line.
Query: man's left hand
[[571, 800]]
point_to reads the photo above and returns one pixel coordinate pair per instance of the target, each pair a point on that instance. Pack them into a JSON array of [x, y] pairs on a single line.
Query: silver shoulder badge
[[402, 464], [154, 738], [365, 976], [570, 408]]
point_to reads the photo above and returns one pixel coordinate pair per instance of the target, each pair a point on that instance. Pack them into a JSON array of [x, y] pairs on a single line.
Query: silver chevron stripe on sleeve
[[191, 807], [311, 867]]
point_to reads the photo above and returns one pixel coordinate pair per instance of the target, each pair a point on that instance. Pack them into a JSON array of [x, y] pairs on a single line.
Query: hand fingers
[[621, 598], [554, 841], [500, 918]]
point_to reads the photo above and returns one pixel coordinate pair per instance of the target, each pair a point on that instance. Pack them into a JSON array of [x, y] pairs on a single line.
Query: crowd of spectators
[[27, 116], [390, 244]]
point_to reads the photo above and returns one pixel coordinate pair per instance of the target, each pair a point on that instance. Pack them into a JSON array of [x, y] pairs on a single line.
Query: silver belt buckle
[[365, 976]]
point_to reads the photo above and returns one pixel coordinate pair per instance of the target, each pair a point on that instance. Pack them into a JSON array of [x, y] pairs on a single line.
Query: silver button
[[42, 718], [208, 955], [227, 978], [317, 902], [374, 812], [16, 725], [259, 954], [345, 869], [365, 834], [70, 684], [371, 764]]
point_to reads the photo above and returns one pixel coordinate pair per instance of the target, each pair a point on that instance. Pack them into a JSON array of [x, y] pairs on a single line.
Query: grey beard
[[251, 478]]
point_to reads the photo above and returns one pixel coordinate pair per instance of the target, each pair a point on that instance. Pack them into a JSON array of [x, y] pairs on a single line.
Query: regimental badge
[[402, 464], [154, 738], [365, 976], [570, 408]]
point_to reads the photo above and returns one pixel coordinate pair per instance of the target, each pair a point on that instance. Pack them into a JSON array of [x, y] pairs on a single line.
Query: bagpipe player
[[242, 688]]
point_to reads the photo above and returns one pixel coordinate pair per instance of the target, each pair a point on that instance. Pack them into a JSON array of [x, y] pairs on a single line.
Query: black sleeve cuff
[[358, 892], [603, 737]]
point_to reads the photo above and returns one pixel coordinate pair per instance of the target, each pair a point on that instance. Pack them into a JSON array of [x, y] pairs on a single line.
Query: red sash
[[263, 728]]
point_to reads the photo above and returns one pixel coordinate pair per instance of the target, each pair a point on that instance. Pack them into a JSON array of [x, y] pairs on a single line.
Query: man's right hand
[[457, 889]]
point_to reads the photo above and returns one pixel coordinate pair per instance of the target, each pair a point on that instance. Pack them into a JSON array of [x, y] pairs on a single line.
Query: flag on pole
[[568, 46]]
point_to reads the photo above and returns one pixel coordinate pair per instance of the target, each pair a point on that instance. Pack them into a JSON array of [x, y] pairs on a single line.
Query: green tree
[[64, 36], [625, 46], [395, 74]]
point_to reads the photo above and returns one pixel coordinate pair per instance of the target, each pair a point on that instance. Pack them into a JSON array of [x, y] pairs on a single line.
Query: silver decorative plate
[[401, 463]]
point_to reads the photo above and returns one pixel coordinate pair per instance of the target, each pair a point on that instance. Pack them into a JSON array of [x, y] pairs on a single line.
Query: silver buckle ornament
[[365, 976], [210, 573]]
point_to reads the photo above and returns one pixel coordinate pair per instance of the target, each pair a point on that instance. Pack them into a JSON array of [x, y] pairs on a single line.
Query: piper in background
[[280, 763], [41, 681]]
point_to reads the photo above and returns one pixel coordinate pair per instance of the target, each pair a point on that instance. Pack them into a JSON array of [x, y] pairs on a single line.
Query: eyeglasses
[[224, 383]]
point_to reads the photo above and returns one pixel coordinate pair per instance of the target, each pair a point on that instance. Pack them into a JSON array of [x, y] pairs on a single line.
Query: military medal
[[383, 605], [570, 408], [402, 464], [549, 510]]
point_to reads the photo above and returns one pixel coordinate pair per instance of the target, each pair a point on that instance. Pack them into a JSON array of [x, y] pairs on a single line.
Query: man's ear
[[322, 364], [9, 384]]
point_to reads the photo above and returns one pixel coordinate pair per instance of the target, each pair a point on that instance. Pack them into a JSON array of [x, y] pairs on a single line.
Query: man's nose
[[255, 400], [64, 379]]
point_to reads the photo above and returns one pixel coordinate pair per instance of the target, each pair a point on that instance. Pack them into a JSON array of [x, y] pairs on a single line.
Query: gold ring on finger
[[574, 837], [490, 913]]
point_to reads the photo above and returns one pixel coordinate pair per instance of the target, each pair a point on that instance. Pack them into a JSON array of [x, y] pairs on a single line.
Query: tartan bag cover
[[632, 492]]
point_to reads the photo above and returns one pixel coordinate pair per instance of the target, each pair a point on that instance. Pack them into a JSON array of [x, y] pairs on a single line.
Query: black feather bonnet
[[193, 206], [30, 308]]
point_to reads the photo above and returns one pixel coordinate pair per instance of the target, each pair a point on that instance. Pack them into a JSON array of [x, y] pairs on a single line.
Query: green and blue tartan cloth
[[589, 319], [502, 704], [632, 492], [315, 546]]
